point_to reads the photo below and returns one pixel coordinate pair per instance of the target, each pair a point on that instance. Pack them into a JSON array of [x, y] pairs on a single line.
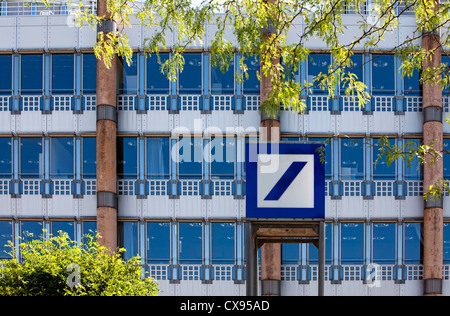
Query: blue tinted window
[[413, 243], [290, 253], [6, 77], [446, 61], [158, 158], [383, 75], [352, 243], [31, 74], [222, 83], [318, 64], [65, 227], [314, 251], [352, 159], [223, 156], [89, 228], [190, 157], [222, 243], [252, 84], [190, 242], [127, 167], [157, 82], [411, 85], [383, 243], [356, 68], [446, 158], [89, 74], [412, 169], [62, 157], [158, 242], [63, 74], [5, 158], [130, 77], [89, 158], [446, 243], [190, 79], [380, 168], [328, 159], [31, 230], [131, 239], [6, 234], [31, 158]]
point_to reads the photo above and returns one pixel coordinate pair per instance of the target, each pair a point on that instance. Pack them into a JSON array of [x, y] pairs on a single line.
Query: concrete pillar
[[432, 172], [270, 252], [106, 143]]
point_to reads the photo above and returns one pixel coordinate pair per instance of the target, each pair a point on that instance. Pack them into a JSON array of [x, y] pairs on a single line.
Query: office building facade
[[180, 159]]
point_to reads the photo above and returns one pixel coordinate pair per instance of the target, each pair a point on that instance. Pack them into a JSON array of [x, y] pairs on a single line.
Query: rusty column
[[269, 131], [432, 172], [106, 141]]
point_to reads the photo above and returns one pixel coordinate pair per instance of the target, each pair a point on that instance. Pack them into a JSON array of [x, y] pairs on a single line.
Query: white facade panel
[[351, 122], [62, 121], [31, 121], [88, 206], [319, 122], [31, 206], [32, 32], [63, 206], [87, 121], [8, 31], [62, 32], [157, 207], [155, 121], [127, 206], [291, 122]]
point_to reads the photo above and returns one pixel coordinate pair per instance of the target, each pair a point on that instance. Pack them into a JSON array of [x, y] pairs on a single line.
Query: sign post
[[285, 201]]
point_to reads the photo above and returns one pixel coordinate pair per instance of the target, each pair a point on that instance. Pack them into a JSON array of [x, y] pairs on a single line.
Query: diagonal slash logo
[[285, 181]]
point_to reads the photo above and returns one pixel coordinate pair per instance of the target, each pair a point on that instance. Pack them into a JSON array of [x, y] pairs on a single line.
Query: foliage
[[58, 266]]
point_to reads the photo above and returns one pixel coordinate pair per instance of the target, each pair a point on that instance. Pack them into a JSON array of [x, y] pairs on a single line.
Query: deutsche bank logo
[[284, 180]]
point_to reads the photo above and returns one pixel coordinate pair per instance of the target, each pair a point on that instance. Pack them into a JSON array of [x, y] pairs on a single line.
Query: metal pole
[[252, 262], [321, 258]]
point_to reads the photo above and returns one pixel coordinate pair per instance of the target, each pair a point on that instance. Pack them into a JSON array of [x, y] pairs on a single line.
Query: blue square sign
[[284, 180]]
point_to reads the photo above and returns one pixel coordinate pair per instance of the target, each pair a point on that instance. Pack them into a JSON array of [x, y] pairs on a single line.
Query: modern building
[[180, 160]]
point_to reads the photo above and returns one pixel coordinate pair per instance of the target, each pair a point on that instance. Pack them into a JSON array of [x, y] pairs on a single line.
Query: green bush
[[59, 266]]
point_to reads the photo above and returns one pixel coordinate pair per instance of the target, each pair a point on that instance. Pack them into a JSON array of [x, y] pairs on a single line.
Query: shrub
[[59, 266]]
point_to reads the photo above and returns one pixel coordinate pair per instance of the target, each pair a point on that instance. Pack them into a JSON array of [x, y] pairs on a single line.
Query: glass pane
[[290, 253], [356, 68], [158, 158], [328, 157], [190, 79], [131, 239], [31, 74], [89, 158], [127, 158], [62, 158], [63, 74], [446, 158], [383, 75], [130, 77], [5, 158], [413, 243], [222, 83], [318, 64], [411, 85], [89, 228], [223, 243], [190, 157], [157, 82], [31, 230], [314, 251], [6, 234], [6, 78], [412, 169], [223, 153], [352, 243], [352, 159], [158, 242], [380, 168], [251, 84], [65, 227], [383, 243], [446, 243], [190, 242], [31, 158], [89, 74]]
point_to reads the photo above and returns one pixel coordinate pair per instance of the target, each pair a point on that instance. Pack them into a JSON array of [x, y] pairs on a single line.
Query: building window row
[[55, 81], [170, 249], [197, 166]]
